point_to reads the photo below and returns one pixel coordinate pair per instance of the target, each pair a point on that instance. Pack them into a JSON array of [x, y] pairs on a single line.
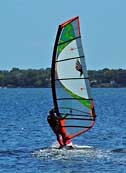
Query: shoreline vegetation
[[40, 78]]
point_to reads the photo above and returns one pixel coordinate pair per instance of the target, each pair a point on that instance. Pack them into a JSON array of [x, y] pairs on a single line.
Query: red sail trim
[[69, 21], [81, 132], [92, 112]]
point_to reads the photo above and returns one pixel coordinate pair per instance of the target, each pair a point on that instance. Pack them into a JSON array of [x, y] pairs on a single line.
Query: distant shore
[[32, 78]]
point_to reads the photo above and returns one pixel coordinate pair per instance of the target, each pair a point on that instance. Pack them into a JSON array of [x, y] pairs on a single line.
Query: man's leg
[[60, 140]]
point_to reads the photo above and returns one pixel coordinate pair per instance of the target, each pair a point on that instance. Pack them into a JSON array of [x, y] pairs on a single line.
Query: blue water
[[26, 140]]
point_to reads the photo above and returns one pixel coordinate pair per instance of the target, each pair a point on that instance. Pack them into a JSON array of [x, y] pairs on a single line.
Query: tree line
[[25, 78], [108, 77], [41, 78]]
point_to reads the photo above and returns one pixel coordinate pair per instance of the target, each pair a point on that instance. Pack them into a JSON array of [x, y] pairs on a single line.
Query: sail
[[71, 90]]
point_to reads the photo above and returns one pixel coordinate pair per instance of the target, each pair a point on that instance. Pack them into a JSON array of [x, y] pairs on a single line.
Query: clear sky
[[28, 30]]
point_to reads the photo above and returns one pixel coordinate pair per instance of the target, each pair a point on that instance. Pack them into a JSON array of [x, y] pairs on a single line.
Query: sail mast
[[53, 86]]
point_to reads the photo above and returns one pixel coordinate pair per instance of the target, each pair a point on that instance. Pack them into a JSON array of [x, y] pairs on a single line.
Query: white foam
[[83, 147]]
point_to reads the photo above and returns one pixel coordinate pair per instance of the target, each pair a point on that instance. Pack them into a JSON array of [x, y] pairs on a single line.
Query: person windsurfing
[[56, 125]]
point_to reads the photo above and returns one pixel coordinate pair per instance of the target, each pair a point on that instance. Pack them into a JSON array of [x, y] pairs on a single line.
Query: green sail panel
[[67, 36]]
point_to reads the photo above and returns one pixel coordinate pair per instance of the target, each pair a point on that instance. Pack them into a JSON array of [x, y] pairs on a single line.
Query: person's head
[[51, 112]]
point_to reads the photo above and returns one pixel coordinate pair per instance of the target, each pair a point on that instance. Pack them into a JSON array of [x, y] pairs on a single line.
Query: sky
[[28, 29]]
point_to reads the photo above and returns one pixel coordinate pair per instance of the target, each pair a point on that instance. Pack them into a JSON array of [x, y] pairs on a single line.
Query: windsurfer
[[56, 125]]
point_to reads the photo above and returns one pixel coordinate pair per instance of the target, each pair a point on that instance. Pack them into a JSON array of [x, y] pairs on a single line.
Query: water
[[26, 143]]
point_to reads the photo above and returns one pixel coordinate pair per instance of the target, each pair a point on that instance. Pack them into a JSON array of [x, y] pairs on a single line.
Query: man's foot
[[70, 147], [69, 144], [61, 146]]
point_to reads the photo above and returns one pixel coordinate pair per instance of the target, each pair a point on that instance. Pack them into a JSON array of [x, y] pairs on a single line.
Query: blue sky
[[28, 30]]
